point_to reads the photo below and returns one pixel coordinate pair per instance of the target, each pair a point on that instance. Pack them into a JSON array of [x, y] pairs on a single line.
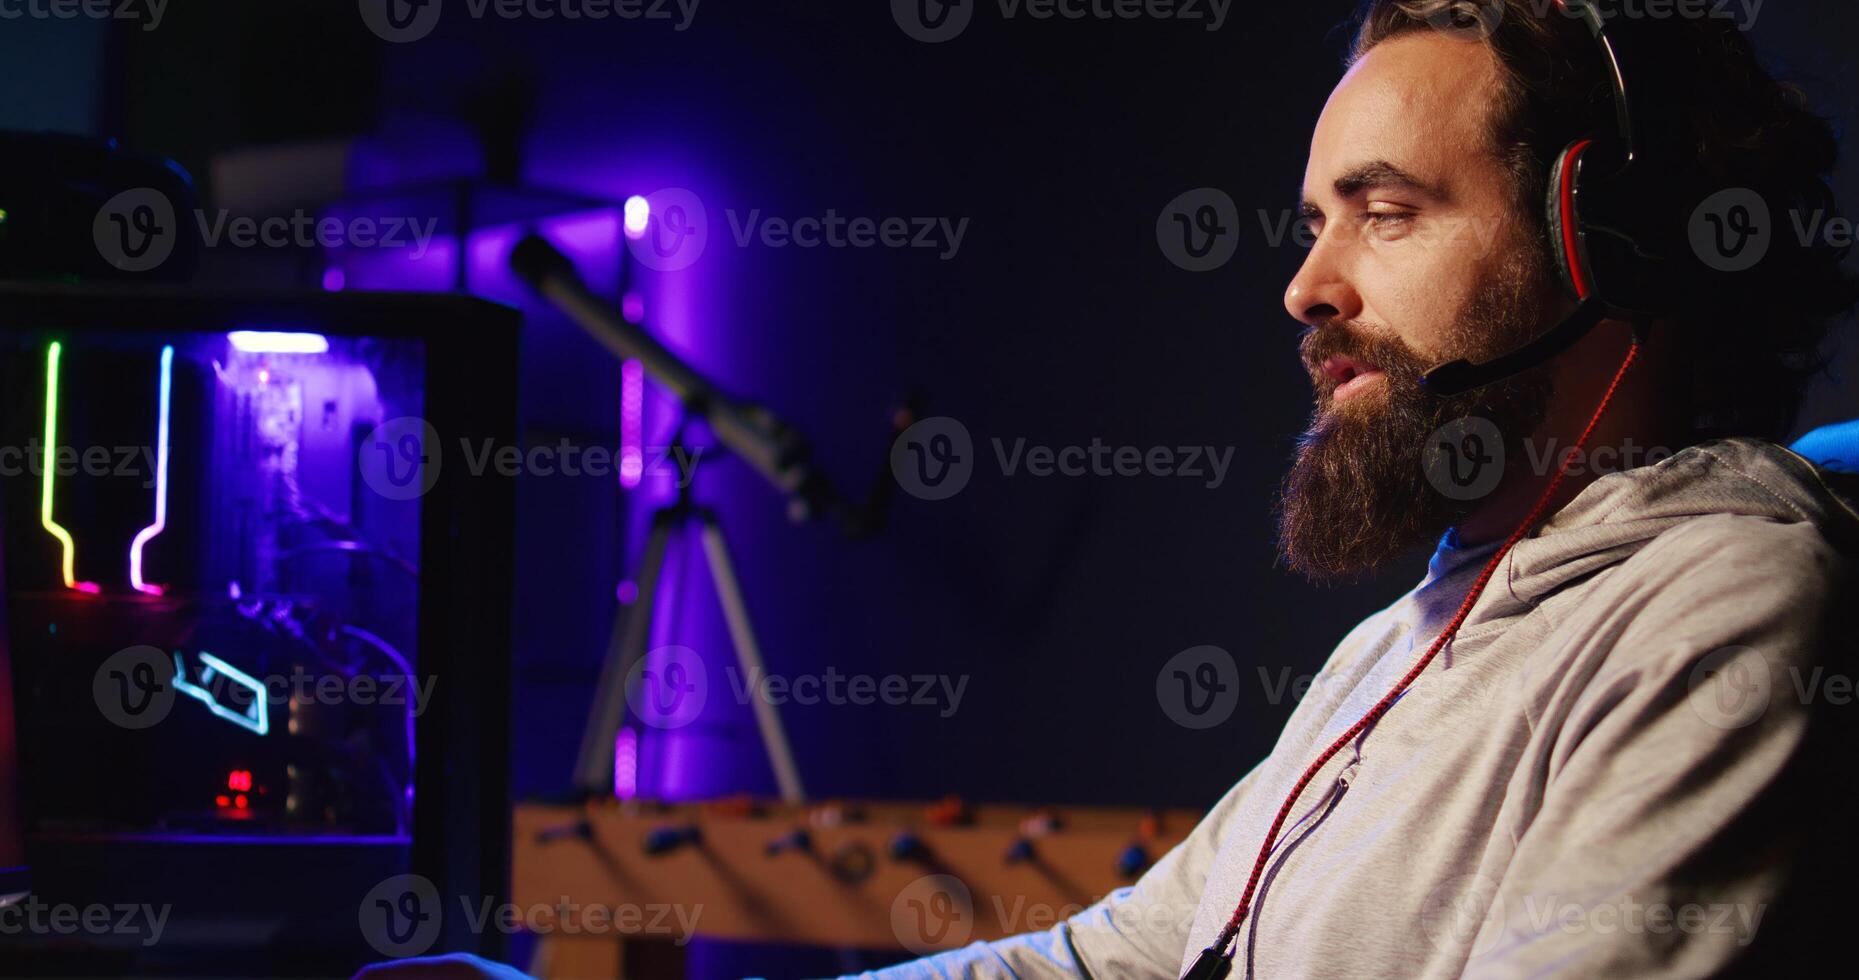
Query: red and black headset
[[1614, 211], [1616, 221]]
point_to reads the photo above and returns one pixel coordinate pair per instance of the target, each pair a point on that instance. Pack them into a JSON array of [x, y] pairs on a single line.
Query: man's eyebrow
[[1374, 174], [1381, 173]]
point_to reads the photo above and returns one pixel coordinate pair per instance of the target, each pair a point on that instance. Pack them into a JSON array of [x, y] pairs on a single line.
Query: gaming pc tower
[[257, 603]]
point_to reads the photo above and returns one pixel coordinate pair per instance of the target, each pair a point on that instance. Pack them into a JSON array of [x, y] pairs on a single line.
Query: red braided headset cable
[[1381, 707]]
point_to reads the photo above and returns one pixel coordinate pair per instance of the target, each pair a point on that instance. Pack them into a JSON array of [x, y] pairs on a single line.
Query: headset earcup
[[1561, 221]]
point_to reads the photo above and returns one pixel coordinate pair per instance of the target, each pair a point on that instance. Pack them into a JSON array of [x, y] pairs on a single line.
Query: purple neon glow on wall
[[632, 403], [626, 764], [690, 762]]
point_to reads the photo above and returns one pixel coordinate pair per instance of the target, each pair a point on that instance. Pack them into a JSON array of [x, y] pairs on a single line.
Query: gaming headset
[[1610, 208]]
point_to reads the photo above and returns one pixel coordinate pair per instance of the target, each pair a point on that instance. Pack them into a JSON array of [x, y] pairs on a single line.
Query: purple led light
[[278, 342], [638, 216], [632, 403], [334, 279], [626, 764]]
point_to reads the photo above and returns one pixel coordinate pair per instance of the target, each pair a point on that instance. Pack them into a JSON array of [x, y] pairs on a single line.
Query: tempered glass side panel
[[213, 614]]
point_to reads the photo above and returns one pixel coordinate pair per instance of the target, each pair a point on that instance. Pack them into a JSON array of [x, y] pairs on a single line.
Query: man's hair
[[1752, 355]]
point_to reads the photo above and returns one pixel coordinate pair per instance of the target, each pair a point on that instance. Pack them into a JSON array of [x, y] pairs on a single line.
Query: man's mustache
[[1348, 338]]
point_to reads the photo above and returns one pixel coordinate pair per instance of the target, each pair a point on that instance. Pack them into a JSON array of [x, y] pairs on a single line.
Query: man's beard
[[1358, 493]]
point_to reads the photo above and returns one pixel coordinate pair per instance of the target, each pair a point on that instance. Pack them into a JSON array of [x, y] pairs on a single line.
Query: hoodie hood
[[1615, 516], [1618, 514]]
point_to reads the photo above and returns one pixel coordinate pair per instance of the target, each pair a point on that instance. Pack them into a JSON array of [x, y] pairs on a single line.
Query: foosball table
[[628, 883]]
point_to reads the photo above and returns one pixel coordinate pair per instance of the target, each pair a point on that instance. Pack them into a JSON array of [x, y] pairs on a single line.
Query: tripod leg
[[632, 630], [736, 613]]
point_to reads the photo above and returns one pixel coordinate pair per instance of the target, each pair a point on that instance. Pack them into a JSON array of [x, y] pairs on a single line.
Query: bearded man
[[1584, 744]]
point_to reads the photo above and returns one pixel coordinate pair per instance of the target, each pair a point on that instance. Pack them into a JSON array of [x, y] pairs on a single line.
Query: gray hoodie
[[1613, 769]]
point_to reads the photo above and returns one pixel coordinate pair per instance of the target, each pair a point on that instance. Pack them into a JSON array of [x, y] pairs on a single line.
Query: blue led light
[[257, 718]]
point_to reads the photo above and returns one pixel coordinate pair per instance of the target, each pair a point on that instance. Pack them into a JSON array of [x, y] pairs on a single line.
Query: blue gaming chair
[[1832, 447], [1835, 449]]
